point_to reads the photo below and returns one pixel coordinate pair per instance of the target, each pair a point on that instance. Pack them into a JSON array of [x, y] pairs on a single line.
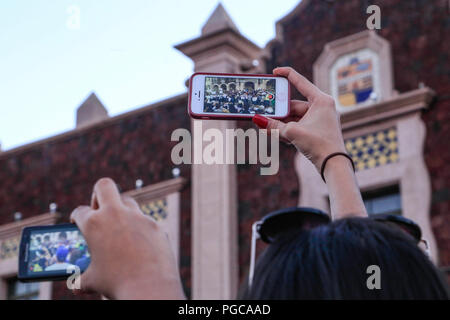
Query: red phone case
[[231, 117]]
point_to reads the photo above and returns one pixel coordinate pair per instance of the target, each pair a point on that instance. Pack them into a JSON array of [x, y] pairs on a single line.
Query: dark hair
[[62, 235], [331, 261]]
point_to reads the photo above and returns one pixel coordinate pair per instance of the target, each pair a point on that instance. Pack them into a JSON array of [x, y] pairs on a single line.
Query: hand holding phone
[[238, 96], [131, 257], [313, 126]]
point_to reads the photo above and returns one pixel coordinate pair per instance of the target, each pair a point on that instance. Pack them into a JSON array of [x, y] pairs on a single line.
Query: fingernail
[[260, 121]]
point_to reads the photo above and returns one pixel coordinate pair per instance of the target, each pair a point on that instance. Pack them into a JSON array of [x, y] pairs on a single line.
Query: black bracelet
[[322, 169]]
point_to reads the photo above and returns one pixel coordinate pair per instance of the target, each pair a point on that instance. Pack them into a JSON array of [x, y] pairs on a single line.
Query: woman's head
[[331, 262]]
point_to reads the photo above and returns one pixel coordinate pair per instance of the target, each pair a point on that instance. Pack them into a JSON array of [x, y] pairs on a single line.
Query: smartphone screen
[[240, 95], [218, 95], [52, 252]]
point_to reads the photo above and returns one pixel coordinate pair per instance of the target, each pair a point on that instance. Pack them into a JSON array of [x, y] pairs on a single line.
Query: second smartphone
[[238, 96], [52, 252]]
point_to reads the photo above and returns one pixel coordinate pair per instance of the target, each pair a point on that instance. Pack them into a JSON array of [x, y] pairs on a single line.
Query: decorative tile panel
[[157, 209], [9, 248], [373, 149]]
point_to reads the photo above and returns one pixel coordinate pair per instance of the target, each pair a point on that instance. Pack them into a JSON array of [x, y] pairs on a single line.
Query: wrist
[[325, 151], [336, 164], [345, 196]]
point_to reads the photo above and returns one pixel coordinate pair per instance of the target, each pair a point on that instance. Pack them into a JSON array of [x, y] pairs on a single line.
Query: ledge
[[15, 228], [229, 37], [157, 190], [103, 123], [404, 103]]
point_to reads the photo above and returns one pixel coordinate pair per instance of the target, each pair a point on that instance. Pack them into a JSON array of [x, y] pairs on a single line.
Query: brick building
[[396, 125]]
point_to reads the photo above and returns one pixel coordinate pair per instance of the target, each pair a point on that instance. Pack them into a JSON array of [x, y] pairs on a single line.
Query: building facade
[[390, 85]]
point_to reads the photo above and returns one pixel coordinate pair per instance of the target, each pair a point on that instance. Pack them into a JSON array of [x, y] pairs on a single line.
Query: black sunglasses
[[280, 222]]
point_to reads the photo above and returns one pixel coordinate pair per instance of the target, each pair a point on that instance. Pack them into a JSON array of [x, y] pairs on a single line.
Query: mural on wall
[[354, 79]]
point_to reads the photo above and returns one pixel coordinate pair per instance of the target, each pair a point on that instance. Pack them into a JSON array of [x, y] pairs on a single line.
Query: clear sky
[[121, 50]]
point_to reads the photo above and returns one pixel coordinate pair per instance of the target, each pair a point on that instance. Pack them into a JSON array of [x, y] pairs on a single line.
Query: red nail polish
[[260, 121]]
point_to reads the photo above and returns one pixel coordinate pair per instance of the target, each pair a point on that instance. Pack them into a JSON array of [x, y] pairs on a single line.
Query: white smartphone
[[238, 96]]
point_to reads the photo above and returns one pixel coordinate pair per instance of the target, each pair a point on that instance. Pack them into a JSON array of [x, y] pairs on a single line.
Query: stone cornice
[[157, 190], [401, 104], [15, 228], [225, 37]]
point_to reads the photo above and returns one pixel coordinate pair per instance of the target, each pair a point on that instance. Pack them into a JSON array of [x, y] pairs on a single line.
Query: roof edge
[[103, 123]]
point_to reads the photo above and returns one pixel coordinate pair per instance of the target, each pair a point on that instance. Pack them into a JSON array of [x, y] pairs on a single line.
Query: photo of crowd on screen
[[239, 95], [58, 251]]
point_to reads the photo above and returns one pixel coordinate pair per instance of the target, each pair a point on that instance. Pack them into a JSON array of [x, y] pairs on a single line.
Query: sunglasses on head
[[406, 225], [279, 223]]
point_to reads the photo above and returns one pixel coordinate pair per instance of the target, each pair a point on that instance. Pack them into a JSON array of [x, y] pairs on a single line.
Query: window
[[22, 291], [386, 200]]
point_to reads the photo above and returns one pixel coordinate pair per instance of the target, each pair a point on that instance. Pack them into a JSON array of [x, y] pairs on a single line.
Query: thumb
[[271, 124]]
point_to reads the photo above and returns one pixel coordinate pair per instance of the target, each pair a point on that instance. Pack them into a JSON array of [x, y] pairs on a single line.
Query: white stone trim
[[363, 40], [215, 268]]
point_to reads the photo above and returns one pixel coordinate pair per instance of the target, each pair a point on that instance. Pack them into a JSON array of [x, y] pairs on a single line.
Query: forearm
[[345, 196]]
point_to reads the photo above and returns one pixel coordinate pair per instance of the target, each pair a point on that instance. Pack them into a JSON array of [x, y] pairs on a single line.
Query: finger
[[299, 108], [269, 124], [130, 203], [303, 85], [79, 216], [106, 193], [274, 124], [94, 202]]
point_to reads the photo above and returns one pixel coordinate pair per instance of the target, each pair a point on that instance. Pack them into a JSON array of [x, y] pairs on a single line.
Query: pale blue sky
[[123, 51]]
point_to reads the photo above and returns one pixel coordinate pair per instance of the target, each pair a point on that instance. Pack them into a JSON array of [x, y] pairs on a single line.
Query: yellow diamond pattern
[[157, 209], [373, 149]]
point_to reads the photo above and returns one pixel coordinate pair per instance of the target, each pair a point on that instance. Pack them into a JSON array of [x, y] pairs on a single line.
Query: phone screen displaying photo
[[239, 95], [49, 252]]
